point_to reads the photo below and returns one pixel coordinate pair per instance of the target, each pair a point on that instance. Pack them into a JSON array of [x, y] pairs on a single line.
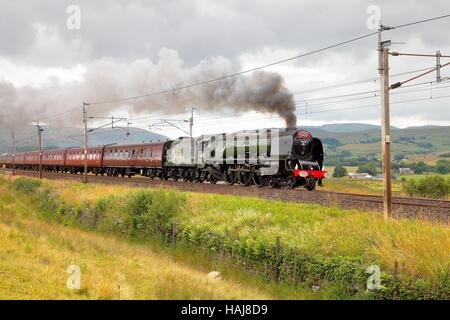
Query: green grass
[[370, 186], [327, 231], [35, 251], [360, 186], [324, 245]]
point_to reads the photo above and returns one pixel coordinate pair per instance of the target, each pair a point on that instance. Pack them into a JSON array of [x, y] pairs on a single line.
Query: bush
[[420, 167], [339, 171], [442, 166], [434, 186], [26, 185], [154, 211], [369, 168]]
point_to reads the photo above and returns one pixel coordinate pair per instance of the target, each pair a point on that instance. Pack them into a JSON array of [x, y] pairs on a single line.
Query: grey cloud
[[198, 29], [117, 34]]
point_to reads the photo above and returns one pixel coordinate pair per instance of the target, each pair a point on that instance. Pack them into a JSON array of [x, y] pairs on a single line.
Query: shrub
[[434, 186], [442, 166], [154, 211], [369, 168], [339, 171], [26, 185]]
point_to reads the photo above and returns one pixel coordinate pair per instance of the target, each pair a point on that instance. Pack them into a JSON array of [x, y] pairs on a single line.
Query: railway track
[[429, 209]]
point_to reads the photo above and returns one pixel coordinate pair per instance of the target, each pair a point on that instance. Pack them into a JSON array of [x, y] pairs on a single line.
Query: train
[[265, 157]]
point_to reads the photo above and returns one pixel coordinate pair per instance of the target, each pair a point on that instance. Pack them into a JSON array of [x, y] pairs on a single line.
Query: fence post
[[174, 228], [277, 258], [294, 272], [395, 279]]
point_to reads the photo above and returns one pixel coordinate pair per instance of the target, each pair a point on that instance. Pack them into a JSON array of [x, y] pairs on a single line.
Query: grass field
[[331, 246], [360, 186], [369, 186], [35, 253], [429, 158]]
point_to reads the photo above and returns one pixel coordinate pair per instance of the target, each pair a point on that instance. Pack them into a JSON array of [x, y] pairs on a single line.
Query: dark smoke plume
[[109, 79]]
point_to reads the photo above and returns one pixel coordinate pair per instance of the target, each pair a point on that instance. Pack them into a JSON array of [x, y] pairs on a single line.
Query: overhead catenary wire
[[421, 21], [377, 104], [253, 69], [356, 82], [357, 38], [375, 95], [234, 114]]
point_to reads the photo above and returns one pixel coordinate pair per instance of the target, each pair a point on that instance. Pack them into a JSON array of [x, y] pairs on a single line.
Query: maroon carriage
[[74, 159], [145, 159], [53, 160]]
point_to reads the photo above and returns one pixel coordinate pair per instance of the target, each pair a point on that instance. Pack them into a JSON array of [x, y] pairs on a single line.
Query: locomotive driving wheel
[[230, 177], [291, 182], [212, 179], [258, 180], [245, 178], [271, 182]]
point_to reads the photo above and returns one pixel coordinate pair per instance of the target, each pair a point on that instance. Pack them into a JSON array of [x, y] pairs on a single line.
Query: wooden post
[[395, 279], [294, 272], [277, 258], [13, 151], [40, 148], [386, 134], [85, 143], [174, 229]]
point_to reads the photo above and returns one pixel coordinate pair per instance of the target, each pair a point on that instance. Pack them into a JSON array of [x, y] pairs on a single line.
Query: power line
[[421, 21], [377, 104], [57, 114], [376, 94], [259, 68], [237, 73], [347, 84], [263, 66]]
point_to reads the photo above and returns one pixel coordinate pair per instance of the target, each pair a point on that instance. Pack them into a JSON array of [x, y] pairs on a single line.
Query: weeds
[[322, 246], [433, 186]]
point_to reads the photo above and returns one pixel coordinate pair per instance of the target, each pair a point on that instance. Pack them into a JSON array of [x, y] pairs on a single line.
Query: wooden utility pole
[[127, 132], [13, 136], [85, 142], [39, 130], [191, 134], [191, 122], [385, 132], [383, 68], [438, 67]]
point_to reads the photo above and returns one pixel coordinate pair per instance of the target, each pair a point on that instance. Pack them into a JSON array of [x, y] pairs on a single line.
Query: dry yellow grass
[[35, 254], [422, 248], [77, 193], [359, 186]]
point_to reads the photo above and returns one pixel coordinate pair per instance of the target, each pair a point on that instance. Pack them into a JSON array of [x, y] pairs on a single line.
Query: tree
[[332, 142], [435, 186], [339, 171], [442, 166], [399, 156], [420, 167], [345, 153], [369, 168]]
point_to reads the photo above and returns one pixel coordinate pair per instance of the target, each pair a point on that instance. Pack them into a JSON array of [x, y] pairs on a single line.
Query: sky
[[56, 54]]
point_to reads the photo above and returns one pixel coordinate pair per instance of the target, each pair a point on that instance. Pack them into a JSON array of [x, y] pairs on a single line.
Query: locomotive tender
[[265, 157]]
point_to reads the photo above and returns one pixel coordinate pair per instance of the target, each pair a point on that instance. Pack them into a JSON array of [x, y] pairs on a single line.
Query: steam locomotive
[[266, 157]]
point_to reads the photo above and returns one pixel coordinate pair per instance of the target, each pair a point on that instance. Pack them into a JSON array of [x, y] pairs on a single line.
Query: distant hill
[[26, 138], [355, 143], [348, 127], [347, 143]]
